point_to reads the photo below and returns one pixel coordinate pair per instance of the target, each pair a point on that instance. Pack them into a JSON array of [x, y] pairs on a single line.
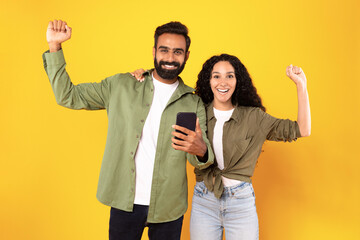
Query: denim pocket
[[243, 191], [200, 189]]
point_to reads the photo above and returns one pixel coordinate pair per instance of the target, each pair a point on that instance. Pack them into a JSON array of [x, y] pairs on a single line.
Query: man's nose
[[170, 57]]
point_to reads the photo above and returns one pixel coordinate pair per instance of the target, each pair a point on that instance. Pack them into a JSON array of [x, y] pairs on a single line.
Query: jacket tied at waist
[[213, 181]]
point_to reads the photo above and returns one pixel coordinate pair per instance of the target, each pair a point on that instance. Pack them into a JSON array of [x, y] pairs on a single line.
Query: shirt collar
[[210, 113]]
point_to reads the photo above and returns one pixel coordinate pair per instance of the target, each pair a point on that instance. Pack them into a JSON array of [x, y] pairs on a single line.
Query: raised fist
[[57, 32], [297, 75]]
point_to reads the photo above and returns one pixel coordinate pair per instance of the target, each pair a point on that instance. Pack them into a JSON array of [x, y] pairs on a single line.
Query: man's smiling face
[[169, 57]]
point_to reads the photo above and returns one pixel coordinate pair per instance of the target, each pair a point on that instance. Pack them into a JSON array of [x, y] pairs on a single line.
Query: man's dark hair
[[175, 28], [245, 93]]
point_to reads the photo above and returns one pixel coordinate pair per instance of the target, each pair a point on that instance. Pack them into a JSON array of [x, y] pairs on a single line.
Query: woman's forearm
[[304, 116]]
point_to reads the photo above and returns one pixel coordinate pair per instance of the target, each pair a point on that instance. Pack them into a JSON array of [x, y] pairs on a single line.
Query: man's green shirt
[[127, 103]]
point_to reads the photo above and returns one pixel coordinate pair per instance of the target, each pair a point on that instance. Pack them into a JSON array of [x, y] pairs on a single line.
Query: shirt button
[[137, 136], [142, 120], [152, 89], [147, 105], [132, 170], [131, 153]]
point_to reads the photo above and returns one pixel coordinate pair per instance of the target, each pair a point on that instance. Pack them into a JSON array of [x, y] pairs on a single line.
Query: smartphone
[[187, 120]]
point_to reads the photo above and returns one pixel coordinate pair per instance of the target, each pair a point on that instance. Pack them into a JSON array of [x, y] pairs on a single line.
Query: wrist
[[301, 87], [54, 47], [204, 149], [204, 157]]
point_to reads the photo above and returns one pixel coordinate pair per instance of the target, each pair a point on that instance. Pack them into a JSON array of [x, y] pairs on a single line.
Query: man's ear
[[187, 56], [154, 50]]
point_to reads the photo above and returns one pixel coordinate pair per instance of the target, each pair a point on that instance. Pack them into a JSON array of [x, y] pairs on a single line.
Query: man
[[143, 173]]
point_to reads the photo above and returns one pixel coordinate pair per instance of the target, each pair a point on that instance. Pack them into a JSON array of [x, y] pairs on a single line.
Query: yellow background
[[51, 156]]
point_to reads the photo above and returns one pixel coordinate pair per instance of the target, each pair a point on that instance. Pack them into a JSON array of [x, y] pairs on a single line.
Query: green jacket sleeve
[[277, 129], [201, 114], [90, 96]]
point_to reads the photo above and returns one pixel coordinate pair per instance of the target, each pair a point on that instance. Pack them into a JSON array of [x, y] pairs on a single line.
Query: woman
[[237, 126]]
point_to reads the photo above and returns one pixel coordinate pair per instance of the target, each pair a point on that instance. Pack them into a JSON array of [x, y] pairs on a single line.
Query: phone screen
[[187, 120]]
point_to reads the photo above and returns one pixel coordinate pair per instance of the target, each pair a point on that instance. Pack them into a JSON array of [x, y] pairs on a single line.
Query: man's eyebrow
[[175, 49], [179, 49]]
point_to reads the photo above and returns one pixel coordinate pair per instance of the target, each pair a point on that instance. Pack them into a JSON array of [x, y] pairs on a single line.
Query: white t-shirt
[[145, 153], [221, 118]]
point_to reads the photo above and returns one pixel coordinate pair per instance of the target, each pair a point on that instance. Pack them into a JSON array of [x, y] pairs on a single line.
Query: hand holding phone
[[186, 120], [188, 135]]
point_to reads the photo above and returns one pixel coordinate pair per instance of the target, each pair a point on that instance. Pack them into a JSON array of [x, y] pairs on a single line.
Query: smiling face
[[223, 83], [169, 57]]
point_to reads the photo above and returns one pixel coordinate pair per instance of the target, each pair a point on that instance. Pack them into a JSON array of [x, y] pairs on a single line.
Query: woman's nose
[[222, 82]]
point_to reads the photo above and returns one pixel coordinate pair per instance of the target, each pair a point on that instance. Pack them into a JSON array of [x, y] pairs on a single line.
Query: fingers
[[198, 128], [139, 78], [178, 142], [54, 25], [51, 25], [138, 74], [297, 70], [182, 129], [58, 26], [62, 28], [293, 70], [194, 148], [179, 135], [177, 147], [289, 70], [68, 29]]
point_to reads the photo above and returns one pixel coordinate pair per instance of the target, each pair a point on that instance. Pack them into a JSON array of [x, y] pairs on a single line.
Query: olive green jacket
[[243, 137], [127, 103]]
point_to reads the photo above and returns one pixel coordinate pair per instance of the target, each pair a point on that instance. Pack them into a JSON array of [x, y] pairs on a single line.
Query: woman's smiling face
[[223, 83]]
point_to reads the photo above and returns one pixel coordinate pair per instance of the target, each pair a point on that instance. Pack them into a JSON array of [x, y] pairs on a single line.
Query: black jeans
[[130, 225]]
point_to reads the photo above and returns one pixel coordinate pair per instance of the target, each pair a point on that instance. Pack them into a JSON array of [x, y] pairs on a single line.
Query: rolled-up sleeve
[[277, 129], [201, 114]]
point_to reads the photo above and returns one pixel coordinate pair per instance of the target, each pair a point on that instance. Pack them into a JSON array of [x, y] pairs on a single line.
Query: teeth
[[169, 66], [223, 90]]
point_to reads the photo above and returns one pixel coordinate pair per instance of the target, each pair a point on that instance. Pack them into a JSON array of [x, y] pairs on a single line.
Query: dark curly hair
[[245, 93], [175, 28]]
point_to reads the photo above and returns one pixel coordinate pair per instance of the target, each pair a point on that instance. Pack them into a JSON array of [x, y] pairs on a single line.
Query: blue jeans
[[235, 211], [130, 225]]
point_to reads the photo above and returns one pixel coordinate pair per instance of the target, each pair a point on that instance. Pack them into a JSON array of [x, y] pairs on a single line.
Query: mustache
[[176, 64]]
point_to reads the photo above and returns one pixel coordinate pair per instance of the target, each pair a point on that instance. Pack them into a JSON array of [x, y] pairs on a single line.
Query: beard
[[166, 73]]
